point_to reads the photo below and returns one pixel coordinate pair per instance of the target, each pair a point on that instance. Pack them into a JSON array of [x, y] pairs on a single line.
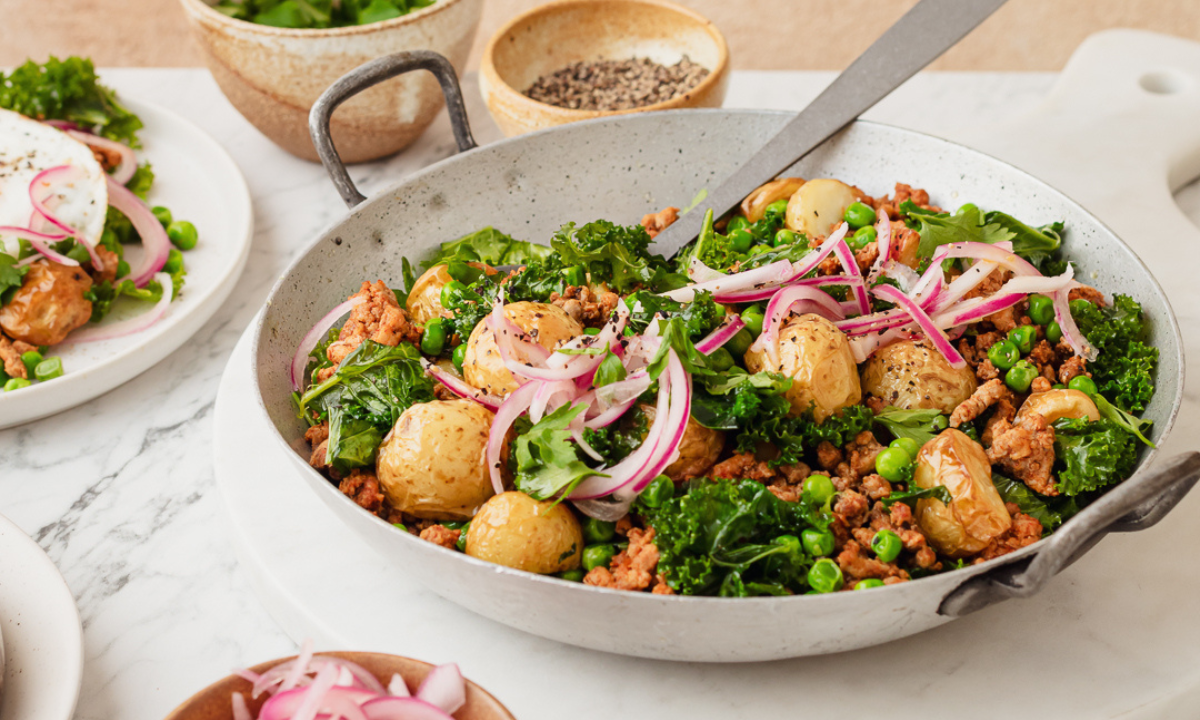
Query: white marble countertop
[[119, 492]]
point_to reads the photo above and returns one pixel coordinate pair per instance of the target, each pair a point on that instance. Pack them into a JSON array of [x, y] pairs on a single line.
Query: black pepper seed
[[616, 84]]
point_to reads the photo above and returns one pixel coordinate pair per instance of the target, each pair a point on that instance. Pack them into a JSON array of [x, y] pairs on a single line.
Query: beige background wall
[[824, 34]]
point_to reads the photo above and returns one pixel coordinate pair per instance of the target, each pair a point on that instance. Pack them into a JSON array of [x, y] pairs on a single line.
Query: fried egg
[[27, 147]]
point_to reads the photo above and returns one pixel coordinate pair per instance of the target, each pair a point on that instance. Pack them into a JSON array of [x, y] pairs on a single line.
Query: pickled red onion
[[314, 336]]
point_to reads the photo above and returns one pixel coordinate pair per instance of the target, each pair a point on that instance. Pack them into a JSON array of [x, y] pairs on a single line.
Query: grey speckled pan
[[619, 169]]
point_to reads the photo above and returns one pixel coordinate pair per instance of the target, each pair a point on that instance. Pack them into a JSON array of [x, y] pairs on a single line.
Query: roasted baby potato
[[548, 325], [817, 207], [698, 452], [816, 356], [1055, 404], [912, 375], [48, 305], [977, 514], [425, 299], [755, 204], [514, 530], [432, 464]]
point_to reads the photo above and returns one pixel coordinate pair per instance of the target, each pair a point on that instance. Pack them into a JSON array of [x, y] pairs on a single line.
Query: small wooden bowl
[[554, 35], [215, 701]]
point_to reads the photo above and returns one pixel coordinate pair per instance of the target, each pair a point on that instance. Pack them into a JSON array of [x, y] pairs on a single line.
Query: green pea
[[785, 237], [1054, 332], [595, 556], [572, 575], [894, 464], [460, 271], [1023, 337], [598, 531], [1083, 384], [660, 490], [1021, 376], [740, 343], [737, 222], [433, 340], [174, 262], [30, 360], [908, 445], [182, 234], [820, 488], [753, 317], [1041, 309], [610, 371], [1004, 354], [48, 369], [887, 545], [776, 209], [740, 240], [818, 543], [16, 384], [1079, 306], [940, 423], [825, 576], [122, 269], [163, 214], [863, 237], [459, 355], [720, 359], [859, 215], [1058, 386], [461, 545], [868, 584], [452, 292], [576, 275]]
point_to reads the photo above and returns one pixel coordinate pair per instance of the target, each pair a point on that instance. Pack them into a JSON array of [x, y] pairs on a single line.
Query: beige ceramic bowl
[[557, 34], [215, 701], [274, 75]]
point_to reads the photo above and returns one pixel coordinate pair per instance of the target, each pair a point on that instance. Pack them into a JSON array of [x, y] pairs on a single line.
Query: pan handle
[[1135, 504], [373, 73]]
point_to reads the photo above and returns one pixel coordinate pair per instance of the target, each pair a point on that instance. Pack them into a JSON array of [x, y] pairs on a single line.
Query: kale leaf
[[1051, 512], [1092, 455], [491, 246], [700, 316], [1124, 368], [547, 462], [615, 441], [68, 90], [364, 397], [732, 538], [617, 253]]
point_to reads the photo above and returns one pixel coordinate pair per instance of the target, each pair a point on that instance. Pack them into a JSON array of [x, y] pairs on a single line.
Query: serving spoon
[[918, 38]]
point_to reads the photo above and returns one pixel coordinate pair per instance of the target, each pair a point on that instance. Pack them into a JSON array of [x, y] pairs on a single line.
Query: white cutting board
[[1114, 636]]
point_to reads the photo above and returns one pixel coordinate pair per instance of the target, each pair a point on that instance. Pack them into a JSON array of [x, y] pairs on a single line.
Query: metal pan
[[620, 168]]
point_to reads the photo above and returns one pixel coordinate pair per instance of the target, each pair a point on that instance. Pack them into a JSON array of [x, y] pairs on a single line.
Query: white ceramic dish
[[197, 179], [43, 639]]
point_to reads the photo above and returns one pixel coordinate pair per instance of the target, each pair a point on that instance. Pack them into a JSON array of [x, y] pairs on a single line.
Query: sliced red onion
[[883, 239], [315, 335], [240, 711], [155, 245], [850, 264], [39, 242], [999, 253], [1029, 284], [461, 387], [799, 269], [590, 451], [334, 701], [698, 272], [41, 188], [512, 408], [976, 309], [397, 687], [312, 698], [61, 124], [767, 275], [300, 666], [403, 708], [550, 396], [1071, 333], [444, 687], [124, 171], [729, 327], [131, 325], [928, 326], [681, 410], [809, 300]]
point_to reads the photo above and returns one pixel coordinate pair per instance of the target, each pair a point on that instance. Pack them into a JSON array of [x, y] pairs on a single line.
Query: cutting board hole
[[1163, 82]]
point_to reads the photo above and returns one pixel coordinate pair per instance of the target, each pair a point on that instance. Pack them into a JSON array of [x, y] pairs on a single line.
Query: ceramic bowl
[[557, 34], [273, 75], [215, 701]]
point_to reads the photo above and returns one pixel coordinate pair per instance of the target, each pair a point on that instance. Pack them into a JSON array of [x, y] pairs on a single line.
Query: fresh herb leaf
[[917, 425], [910, 497], [1050, 512], [968, 224], [1130, 422], [11, 277], [1037, 245], [547, 461], [491, 246]]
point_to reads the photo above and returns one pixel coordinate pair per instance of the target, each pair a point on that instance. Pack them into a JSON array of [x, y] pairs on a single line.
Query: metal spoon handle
[[931, 28]]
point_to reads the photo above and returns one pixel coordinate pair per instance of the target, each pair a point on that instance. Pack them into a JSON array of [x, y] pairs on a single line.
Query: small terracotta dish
[[274, 75], [552, 36], [215, 702]]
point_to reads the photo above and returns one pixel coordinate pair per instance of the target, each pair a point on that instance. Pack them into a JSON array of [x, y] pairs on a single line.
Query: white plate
[[43, 640], [198, 181]]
